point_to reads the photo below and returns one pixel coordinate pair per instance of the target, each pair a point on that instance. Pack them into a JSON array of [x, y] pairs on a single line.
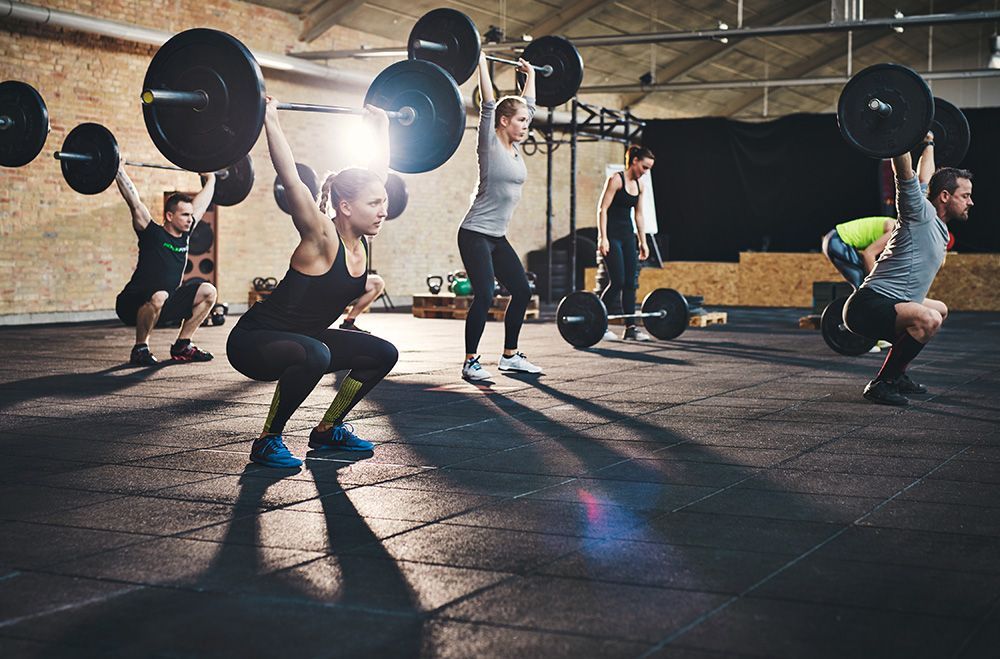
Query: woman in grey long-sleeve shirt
[[482, 239]]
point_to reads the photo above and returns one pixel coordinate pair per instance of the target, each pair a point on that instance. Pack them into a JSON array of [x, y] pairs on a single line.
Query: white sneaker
[[517, 363], [883, 344], [473, 372], [635, 334], [610, 336]]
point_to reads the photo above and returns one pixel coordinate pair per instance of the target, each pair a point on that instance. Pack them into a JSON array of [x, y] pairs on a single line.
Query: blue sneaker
[[340, 437], [271, 451]]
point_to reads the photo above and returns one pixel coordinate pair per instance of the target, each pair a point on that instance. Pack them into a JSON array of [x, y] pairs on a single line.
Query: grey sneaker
[[610, 336], [635, 334], [517, 363], [473, 372]]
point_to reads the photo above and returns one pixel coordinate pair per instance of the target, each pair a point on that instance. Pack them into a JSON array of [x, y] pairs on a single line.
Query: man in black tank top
[[617, 239], [154, 293]]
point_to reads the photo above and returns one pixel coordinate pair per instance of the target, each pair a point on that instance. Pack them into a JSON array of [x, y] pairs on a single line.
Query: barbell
[[886, 110], [582, 318], [203, 105], [450, 39], [395, 189], [24, 123], [90, 158]]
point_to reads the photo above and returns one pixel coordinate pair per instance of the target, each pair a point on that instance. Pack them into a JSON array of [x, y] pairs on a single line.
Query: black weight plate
[[675, 322], [567, 70], [27, 123], [395, 189], [201, 239], [236, 185], [912, 110], [206, 266], [836, 334], [435, 134], [308, 176], [95, 175], [595, 319], [220, 65], [951, 135], [456, 31]]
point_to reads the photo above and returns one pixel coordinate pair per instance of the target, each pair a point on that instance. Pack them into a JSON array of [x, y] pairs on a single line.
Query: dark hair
[[171, 204], [345, 185], [507, 107], [636, 152], [946, 178]]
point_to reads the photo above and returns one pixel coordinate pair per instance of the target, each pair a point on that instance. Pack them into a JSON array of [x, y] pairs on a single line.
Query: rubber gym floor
[[728, 493]]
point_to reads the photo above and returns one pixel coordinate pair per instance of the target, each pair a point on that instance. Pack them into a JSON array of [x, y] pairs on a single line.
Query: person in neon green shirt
[[854, 246]]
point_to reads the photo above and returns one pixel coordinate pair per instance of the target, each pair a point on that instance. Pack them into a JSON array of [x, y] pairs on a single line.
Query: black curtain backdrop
[[725, 186]]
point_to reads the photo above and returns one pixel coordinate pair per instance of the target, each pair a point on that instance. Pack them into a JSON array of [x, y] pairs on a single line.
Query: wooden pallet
[[709, 318], [812, 321], [447, 305]]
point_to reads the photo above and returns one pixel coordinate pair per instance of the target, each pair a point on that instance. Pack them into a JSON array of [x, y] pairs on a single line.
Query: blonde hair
[[508, 107], [345, 185]]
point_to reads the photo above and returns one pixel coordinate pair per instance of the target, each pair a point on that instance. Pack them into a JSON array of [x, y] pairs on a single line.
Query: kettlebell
[[434, 283], [460, 284]]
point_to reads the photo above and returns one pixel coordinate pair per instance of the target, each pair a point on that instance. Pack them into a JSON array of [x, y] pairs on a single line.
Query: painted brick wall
[[61, 251]]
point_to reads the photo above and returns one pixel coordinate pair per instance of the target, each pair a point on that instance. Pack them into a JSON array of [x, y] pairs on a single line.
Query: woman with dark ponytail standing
[[617, 239], [482, 239], [287, 337]]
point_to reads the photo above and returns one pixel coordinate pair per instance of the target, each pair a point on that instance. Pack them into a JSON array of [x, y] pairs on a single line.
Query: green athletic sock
[[343, 402], [274, 409]]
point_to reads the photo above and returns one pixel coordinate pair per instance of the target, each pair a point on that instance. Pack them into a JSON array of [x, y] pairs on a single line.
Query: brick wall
[[65, 252]]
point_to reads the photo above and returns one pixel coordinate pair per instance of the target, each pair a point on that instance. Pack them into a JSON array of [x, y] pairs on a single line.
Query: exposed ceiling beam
[[568, 17], [810, 65], [706, 51], [324, 16]]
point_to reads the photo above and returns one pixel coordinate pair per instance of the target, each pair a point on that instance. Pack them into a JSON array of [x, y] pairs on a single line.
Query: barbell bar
[[203, 102], [450, 39], [434, 46], [199, 100], [90, 159]]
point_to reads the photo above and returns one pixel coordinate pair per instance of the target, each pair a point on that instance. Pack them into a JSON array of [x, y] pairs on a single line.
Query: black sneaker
[[141, 356], [908, 386], [885, 392], [190, 353], [351, 326]]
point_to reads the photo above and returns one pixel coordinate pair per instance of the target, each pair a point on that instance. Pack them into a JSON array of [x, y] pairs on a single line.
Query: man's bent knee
[[206, 291], [157, 299]]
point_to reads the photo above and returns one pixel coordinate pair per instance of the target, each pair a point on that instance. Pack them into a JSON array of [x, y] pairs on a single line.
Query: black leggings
[[845, 258], [298, 362], [622, 263], [486, 257]]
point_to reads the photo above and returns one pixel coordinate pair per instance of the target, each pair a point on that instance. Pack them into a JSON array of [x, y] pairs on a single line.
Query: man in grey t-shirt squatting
[[892, 303]]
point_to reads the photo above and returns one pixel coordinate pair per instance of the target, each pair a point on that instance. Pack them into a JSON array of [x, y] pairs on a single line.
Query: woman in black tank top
[[616, 240], [287, 337]]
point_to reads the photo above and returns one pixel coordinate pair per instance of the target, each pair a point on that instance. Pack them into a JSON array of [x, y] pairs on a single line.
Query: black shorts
[[178, 306], [871, 315]]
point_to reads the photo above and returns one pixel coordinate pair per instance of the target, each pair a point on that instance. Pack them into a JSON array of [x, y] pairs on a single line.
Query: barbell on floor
[[838, 336], [203, 105], [582, 318], [450, 39], [90, 158]]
